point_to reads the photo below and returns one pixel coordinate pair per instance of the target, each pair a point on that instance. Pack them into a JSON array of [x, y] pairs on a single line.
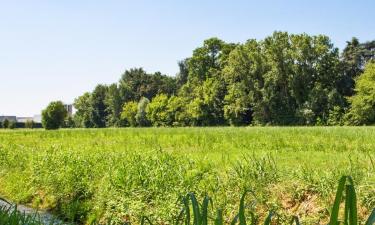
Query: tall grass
[[195, 213], [119, 174], [11, 216]]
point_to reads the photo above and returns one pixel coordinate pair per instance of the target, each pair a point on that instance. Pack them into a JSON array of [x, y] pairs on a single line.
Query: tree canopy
[[284, 79], [54, 115]]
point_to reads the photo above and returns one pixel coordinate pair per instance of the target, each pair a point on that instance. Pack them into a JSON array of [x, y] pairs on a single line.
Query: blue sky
[[57, 50]]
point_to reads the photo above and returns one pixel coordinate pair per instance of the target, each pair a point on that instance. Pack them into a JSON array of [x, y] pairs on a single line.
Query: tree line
[[284, 79]]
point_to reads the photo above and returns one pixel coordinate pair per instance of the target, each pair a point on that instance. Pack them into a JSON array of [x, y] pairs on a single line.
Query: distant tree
[[141, 116], [176, 108], [54, 115], [5, 123], [244, 76], [29, 124], [113, 103], [354, 58], [129, 112], [336, 116], [12, 124], [207, 61], [98, 105], [237, 107], [183, 74], [69, 122], [157, 111], [362, 109], [136, 83], [83, 115], [284, 79]]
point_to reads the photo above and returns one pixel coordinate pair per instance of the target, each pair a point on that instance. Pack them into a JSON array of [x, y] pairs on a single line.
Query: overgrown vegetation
[[200, 214], [285, 79], [123, 174]]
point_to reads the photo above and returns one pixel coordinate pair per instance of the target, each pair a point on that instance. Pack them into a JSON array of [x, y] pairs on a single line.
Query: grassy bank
[[123, 174]]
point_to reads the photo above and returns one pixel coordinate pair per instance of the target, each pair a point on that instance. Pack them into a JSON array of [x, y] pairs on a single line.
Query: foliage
[[362, 109], [283, 79], [29, 124], [141, 116], [102, 174], [157, 111], [11, 216], [98, 106], [83, 115], [12, 124], [140, 84], [69, 122], [129, 112], [354, 58], [113, 102], [54, 115], [5, 123]]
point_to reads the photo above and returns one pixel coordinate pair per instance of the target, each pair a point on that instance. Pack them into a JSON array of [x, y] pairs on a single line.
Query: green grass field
[[123, 174]]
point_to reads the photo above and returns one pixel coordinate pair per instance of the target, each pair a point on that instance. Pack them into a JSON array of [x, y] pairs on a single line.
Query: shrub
[[129, 111], [6, 123], [54, 115], [29, 124]]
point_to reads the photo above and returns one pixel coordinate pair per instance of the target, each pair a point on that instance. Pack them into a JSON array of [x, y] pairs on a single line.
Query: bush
[[29, 124], [6, 123], [141, 117], [157, 111], [54, 115], [363, 102], [129, 111], [12, 124]]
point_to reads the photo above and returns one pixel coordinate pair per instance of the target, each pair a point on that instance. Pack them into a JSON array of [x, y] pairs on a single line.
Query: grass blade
[[268, 219], [371, 219], [219, 217], [336, 205]]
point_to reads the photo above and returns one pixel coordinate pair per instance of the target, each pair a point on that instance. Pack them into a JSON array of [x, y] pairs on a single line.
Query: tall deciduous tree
[[141, 116], [129, 112], [363, 102], [113, 102], [54, 115], [157, 111], [99, 109], [83, 115]]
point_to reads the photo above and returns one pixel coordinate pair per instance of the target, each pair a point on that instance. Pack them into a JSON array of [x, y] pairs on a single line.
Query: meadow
[[86, 175]]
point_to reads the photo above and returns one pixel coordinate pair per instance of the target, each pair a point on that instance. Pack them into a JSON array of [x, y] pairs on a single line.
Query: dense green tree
[[177, 109], [237, 108], [141, 116], [157, 111], [208, 61], [183, 74], [206, 106], [98, 105], [5, 123], [284, 79], [69, 122], [83, 115], [136, 83], [113, 102], [362, 109], [244, 77], [54, 115], [129, 112], [354, 58]]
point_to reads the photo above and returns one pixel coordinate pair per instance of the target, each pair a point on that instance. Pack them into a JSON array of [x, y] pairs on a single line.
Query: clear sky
[[57, 50]]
